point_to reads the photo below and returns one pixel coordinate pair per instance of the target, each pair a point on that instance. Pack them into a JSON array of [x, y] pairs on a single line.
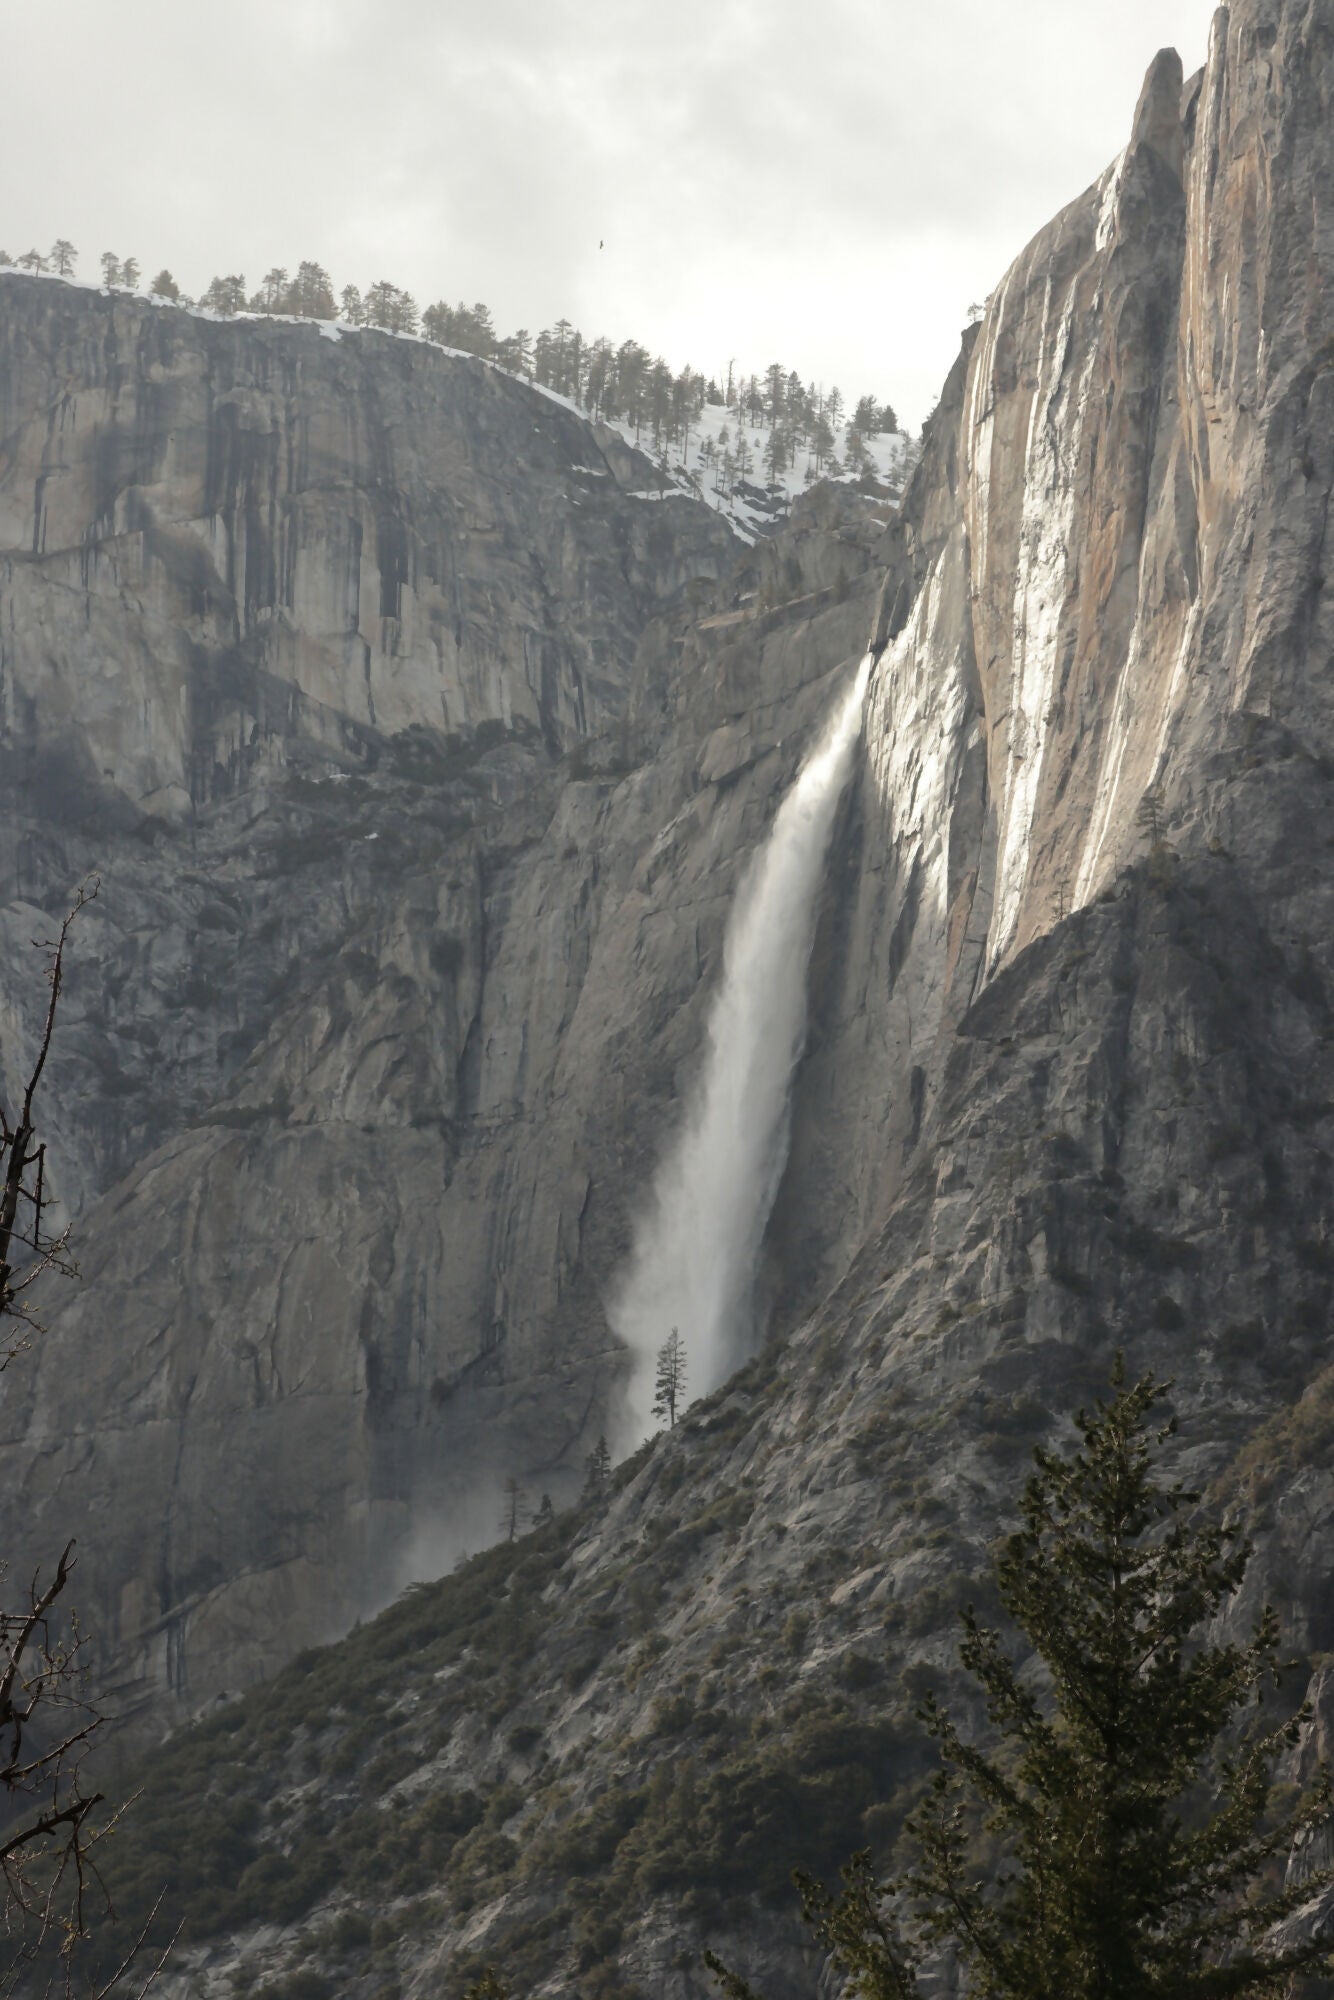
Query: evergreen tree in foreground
[[1140, 1851]]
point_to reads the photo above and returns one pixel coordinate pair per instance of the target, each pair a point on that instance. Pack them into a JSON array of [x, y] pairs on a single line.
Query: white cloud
[[831, 186]]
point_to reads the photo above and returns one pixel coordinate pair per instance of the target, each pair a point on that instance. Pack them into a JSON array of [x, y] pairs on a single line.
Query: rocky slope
[[1070, 1086]]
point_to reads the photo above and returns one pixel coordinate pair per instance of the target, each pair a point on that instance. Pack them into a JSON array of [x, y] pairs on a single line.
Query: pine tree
[[164, 286], [310, 295], [389, 309], [597, 1470], [866, 416], [350, 307], [1135, 1834], [272, 293], [545, 1514], [380, 305], [482, 334], [225, 296], [514, 1513], [1149, 816], [670, 1386], [515, 352], [857, 456], [129, 274], [63, 257], [33, 260]]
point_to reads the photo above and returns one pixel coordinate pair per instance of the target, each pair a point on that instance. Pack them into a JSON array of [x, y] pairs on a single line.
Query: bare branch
[[23, 1154], [50, 1826], [35, 1617], [122, 1970]]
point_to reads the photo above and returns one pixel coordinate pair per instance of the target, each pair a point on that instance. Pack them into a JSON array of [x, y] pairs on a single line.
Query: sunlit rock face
[[1109, 581], [1139, 472], [393, 997]]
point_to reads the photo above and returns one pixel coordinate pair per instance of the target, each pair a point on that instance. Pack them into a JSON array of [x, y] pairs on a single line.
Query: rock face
[[294, 633], [1070, 1082]]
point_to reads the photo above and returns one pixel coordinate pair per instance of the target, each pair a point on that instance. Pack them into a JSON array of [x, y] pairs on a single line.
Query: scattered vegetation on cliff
[[776, 423]]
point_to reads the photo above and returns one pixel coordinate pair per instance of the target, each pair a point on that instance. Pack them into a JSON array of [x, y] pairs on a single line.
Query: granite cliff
[[1069, 1087], [313, 649]]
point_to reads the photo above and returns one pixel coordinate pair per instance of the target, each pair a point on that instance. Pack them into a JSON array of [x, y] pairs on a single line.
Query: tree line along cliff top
[[764, 432]]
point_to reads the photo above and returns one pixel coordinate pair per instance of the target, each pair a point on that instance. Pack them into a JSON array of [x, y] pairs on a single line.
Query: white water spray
[[697, 1247]]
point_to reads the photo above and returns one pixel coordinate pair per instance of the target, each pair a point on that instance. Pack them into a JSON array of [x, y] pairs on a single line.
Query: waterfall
[[697, 1246]]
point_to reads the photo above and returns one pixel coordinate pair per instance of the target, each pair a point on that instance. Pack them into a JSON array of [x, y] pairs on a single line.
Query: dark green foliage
[[701, 1831], [857, 1670], [1149, 816], [597, 1470], [1132, 1841], [350, 1931], [487, 1987], [303, 1984], [210, 1832]]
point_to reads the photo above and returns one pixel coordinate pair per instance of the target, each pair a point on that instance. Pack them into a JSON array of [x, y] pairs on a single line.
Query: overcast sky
[[829, 186]]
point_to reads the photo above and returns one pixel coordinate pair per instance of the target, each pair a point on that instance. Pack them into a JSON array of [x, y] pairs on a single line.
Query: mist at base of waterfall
[[697, 1245]]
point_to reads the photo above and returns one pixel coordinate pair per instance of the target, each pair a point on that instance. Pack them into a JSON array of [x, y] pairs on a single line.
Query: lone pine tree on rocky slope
[[669, 1390]]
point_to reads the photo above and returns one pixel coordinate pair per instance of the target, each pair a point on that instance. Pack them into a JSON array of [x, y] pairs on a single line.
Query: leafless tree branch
[[49, 1826], [24, 1185]]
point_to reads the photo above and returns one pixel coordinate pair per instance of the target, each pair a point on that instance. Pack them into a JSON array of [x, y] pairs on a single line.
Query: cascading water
[[697, 1246]]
